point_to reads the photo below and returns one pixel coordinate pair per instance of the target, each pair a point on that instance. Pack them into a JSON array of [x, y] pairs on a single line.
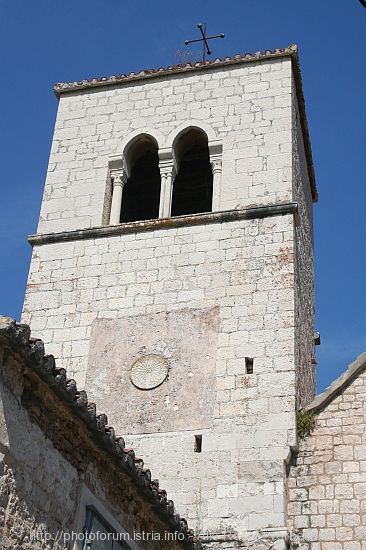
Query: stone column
[[118, 179], [167, 172], [216, 165]]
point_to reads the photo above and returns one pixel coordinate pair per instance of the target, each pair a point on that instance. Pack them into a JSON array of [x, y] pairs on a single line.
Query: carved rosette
[[149, 371]]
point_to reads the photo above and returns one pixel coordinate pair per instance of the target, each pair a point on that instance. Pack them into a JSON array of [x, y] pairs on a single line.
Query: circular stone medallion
[[149, 371]]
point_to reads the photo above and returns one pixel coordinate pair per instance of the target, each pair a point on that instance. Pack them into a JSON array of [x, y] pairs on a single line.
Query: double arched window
[[150, 183]]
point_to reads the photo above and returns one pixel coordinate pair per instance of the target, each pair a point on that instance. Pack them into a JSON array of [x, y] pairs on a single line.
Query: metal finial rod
[[204, 40]]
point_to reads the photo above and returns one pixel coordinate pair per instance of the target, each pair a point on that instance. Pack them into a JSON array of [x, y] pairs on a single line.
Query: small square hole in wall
[[248, 365], [197, 443]]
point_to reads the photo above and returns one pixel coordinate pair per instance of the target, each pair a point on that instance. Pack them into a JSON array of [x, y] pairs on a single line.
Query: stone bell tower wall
[[222, 299], [304, 265], [232, 283], [246, 107]]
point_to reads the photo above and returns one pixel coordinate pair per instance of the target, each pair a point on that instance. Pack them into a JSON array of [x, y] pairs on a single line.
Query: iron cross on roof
[[204, 39]]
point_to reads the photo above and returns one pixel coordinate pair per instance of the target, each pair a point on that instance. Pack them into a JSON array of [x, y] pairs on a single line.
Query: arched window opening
[[141, 193], [192, 188]]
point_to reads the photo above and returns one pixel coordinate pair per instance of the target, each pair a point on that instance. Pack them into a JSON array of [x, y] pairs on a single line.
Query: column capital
[[167, 170], [216, 165], [118, 177]]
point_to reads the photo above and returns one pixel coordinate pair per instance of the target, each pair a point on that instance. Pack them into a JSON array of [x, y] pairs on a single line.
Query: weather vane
[[205, 48]]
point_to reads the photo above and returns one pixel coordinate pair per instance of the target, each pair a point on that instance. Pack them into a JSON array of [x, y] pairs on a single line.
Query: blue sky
[[44, 42]]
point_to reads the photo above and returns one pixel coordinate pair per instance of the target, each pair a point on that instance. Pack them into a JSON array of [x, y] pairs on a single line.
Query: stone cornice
[[255, 212], [66, 87]]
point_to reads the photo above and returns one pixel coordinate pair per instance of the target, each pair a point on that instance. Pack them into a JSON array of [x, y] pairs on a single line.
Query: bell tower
[[172, 276]]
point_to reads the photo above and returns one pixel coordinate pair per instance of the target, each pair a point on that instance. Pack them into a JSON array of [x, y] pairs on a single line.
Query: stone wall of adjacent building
[[327, 478], [39, 487]]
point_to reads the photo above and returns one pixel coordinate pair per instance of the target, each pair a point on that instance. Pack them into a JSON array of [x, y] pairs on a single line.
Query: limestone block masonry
[[224, 298], [327, 477]]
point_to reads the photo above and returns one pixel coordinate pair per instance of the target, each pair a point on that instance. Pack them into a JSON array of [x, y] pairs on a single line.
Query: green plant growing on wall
[[306, 423]]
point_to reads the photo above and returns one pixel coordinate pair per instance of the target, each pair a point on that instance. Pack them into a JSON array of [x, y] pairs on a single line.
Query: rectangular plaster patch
[[154, 373]]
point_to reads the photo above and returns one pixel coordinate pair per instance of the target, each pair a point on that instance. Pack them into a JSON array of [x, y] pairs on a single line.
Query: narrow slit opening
[[198, 443], [248, 365]]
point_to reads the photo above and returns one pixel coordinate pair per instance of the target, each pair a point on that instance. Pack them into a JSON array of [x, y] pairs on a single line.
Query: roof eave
[[344, 380], [67, 87]]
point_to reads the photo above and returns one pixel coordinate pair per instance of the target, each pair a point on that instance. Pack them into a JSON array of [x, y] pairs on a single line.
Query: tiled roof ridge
[[45, 366], [61, 87], [324, 398]]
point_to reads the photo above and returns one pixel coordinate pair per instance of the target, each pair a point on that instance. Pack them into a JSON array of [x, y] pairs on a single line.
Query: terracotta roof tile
[[62, 87]]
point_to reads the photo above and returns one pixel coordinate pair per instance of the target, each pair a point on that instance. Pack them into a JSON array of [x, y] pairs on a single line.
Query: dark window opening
[[192, 188], [248, 365], [198, 443], [99, 535], [141, 193]]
